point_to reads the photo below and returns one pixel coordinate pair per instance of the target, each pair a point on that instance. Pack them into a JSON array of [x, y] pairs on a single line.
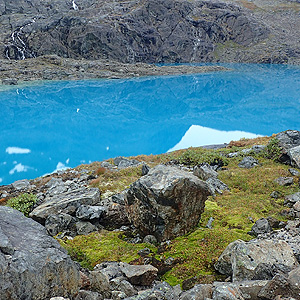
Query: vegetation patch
[[24, 203], [112, 182], [90, 250]]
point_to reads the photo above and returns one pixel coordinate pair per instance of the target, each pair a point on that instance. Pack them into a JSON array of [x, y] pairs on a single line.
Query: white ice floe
[[17, 150]]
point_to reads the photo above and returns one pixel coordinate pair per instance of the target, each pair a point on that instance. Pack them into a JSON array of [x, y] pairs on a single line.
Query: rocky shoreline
[[166, 201], [52, 67]]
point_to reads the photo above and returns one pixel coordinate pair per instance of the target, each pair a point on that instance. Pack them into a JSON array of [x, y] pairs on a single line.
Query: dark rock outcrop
[[167, 202], [32, 264], [135, 31]]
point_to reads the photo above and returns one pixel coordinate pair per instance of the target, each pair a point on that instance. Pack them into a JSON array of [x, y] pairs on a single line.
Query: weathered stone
[[248, 162], [21, 184], [100, 283], [145, 169], [122, 162], [256, 260], [275, 194], [87, 212], [250, 288], [167, 202], [224, 263], [290, 200], [198, 292], [150, 239], [276, 286], [294, 172], [225, 292], [88, 295], [204, 172], [84, 228], [216, 186], [284, 181], [59, 223], [119, 284], [66, 202], [158, 292], [261, 226], [139, 274], [115, 214], [37, 267]]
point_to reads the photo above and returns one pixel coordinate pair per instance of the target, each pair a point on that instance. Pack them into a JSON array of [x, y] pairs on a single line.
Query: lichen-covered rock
[[248, 162], [290, 200], [261, 226], [67, 203], [256, 260], [32, 264], [166, 203]]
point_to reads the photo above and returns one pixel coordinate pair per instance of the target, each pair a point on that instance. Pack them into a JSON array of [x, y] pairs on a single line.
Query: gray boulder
[[256, 260], [216, 185], [160, 291], [290, 200], [32, 264], [21, 184], [67, 203], [139, 274], [122, 162], [248, 162], [87, 212], [84, 228], [198, 292], [205, 171], [261, 226], [166, 203], [287, 141], [225, 292], [60, 223], [284, 181]]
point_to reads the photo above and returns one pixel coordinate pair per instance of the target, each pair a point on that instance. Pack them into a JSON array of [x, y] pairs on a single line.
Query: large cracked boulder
[[256, 260], [166, 203], [32, 264]]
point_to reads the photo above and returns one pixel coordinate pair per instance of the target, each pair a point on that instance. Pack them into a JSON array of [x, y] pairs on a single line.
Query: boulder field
[[165, 202]]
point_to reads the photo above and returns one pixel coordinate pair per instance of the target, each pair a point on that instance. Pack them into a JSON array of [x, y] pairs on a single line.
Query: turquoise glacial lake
[[54, 125]]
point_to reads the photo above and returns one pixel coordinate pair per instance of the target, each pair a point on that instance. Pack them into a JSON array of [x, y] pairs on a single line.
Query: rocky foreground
[[165, 202]]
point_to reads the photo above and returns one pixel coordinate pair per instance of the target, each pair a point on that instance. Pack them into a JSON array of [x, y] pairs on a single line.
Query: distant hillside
[[152, 30]]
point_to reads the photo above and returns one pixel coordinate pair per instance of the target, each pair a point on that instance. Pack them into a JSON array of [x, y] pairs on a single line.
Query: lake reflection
[[67, 123]]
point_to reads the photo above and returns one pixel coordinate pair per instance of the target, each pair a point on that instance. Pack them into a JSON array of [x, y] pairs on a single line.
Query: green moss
[[198, 252], [24, 203], [98, 247]]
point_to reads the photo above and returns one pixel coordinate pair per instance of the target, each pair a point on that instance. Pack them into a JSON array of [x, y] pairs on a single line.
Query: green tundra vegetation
[[233, 211]]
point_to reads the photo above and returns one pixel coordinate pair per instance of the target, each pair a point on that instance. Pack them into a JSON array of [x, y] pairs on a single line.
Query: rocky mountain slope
[[152, 30]]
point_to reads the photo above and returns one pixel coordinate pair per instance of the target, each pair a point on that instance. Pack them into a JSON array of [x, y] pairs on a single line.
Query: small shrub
[[273, 150], [196, 156], [24, 203]]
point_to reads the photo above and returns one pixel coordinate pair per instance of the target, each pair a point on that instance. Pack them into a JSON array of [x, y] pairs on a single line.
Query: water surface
[[57, 124]]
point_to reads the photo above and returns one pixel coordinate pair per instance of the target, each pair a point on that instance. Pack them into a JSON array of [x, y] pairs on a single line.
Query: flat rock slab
[[167, 202], [67, 203], [32, 264]]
